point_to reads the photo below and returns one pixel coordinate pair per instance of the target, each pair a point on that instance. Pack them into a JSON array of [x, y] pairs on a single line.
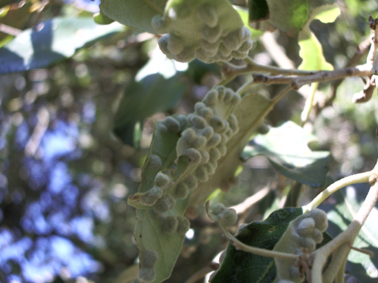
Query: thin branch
[[202, 272], [322, 76], [241, 208], [353, 179], [275, 51], [258, 251], [343, 241]]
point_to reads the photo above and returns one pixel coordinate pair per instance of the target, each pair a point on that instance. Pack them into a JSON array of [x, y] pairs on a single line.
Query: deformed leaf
[[148, 233], [311, 50], [142, 99], [340, 215], [210, 31], [54, 41], [286, 147], [239, 266], [250, 114], [133, 13]]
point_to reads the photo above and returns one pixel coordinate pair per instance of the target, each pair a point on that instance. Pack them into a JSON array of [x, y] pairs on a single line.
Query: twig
[[202, 272], [353, 179], [9, 30], [343, 241], [241, 208], [258, 251], [275, 51]]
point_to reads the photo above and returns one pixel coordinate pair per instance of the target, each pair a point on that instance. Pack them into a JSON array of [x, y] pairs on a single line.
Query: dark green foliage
[[239, 266]]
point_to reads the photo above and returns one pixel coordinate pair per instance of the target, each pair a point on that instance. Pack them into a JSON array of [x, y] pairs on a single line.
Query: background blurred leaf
[[311, 50], [15, 17], [344, 204], [142, 99], [243, 13], [240, 266], [258, 10], [288, 16], [286, 147], [133, 13], [54, 41]]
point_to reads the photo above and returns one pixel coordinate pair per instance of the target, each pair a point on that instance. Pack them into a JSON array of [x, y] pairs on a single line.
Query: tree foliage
[[128, 127]]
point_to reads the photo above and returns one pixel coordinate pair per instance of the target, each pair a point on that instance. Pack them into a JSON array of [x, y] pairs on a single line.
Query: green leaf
[[348, 202], [134, 13], [148, 233], [286, 147], [288, 16], [240, 266], [56, 40], [102, 19], [258, 10], [243, 13], [142, 99], [250, 114], [311, 50]]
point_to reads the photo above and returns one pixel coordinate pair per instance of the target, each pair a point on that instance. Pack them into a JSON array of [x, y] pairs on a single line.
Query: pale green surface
[[287, 149], [58, 39], [311, 50], [348, 201]]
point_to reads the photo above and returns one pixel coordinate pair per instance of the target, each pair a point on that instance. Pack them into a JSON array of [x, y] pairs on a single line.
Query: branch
[[354, 179], [343, 241], [258, 251]]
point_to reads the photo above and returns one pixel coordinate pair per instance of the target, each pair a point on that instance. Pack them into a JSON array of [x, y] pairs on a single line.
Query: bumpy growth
[[210, 30], [304, 232], [202, 138]]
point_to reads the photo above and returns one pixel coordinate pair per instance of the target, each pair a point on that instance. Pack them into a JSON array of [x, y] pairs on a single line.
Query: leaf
[[56, 40], [258, 10], [286, 147], [102, 19], [240, 266], [344, 204], [243, 13], [148, 233], [288, 16], [311, 50], [142, 99], [210, 31], [250, 113], [133, 13]]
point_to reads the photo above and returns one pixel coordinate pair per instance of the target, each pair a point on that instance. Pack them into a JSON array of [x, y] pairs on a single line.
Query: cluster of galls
[[202, 144], [303, 233], [212, 40]]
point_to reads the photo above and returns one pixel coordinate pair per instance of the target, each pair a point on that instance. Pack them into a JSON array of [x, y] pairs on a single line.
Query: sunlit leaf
[[344, 206], [311, 50], [240, 266], [133, 13], [52, 42], [286, 147]]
